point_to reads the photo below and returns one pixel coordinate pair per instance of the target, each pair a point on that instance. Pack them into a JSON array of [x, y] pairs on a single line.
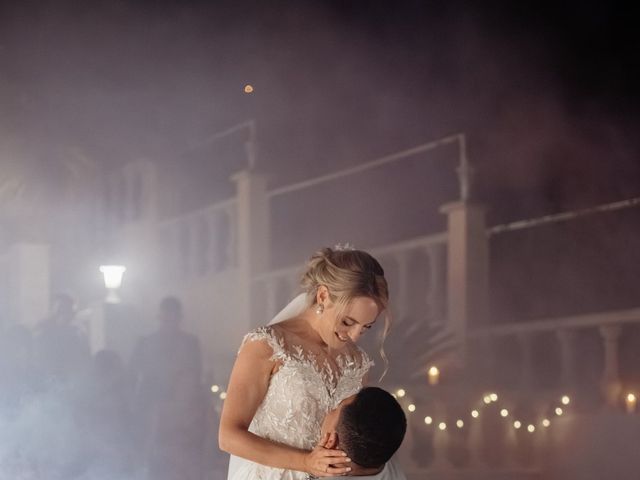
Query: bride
[[289, 374]]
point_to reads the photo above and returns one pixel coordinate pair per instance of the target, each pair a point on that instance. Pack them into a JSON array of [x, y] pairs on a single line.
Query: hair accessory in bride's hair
[[344, 247]]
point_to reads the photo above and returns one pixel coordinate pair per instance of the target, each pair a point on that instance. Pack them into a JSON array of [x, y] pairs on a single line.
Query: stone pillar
[[97, 329], [441, 438], [136, 243], [141, 190], [436, 253], [526, 366], [611, 386], [252, 237], [566, 338], [271, 294], [467, 267], [401, 301], [28, 283], [475, 440]]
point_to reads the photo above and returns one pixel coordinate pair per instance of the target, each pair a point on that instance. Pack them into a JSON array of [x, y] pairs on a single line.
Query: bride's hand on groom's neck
[[325, 461], [329, 440]]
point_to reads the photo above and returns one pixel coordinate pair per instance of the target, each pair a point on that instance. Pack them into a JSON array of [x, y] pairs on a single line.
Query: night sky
[[547, 94]]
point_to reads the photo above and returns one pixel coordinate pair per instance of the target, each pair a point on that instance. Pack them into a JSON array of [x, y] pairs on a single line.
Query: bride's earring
[[320, 309]]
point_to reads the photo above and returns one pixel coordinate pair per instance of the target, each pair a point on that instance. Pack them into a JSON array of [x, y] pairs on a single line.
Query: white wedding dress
[[300, 394]]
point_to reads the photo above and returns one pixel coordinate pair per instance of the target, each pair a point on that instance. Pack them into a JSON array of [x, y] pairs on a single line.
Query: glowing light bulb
[[442, 426], [215, 388], [428, 420], [487, 399], [248, 88], [494, 397], [401, 392], [531, 428], [223, 395], [631, 401], [460, 424], [504, 412], [517, 424], [566, 400], [411, 408], [546, 422], [475, 413], [559, 411], [433, 375]]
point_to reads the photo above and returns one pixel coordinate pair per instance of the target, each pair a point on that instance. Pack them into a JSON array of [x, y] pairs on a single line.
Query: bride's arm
[[247, 387]]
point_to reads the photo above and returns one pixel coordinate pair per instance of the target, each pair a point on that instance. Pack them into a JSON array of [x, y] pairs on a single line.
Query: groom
[[370, 427]]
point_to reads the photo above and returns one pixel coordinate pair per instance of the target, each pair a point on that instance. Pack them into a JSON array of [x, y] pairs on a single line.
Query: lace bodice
[[300, 393]]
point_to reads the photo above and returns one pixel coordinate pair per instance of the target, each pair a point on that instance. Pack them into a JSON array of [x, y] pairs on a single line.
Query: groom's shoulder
[[392, 471]]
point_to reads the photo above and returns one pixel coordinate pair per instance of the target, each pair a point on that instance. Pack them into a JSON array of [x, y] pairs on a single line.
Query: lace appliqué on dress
[[299, 396]]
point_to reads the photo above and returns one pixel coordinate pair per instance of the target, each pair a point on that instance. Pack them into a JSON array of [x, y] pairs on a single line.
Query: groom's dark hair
[[371, 428]]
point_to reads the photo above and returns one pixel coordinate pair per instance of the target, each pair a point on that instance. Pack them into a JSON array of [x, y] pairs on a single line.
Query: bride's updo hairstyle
[[348, 274]]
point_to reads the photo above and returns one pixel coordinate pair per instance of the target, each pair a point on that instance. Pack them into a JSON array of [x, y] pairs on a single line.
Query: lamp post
[[100, 332], [112, 281]]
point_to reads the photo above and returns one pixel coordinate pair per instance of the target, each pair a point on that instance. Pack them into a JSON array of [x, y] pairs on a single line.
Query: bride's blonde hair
[[348, 274]]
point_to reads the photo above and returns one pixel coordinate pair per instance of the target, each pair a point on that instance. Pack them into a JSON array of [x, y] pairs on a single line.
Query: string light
[[630, 402], [215, 388], [434, 375], [223, 395], [487, 399], [248, 89]]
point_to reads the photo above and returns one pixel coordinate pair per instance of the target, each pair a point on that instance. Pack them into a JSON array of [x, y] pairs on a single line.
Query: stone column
[[611, 386], [526, 366], [401, 302], [436, 254], [467, 267], [475, 443], [270, 288], [136, 242], [441, 438], [252, 237], [566, 338]]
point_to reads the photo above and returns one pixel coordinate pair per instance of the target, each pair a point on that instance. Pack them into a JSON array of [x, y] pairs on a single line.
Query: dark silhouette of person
[[168, 397], [61, 348], [103, 417], [18, 376]]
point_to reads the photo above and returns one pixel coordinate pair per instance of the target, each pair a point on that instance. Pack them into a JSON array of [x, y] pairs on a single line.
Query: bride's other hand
[[327, 462]]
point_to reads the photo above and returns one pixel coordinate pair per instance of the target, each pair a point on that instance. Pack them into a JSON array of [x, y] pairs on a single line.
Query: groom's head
[[370, 427]]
